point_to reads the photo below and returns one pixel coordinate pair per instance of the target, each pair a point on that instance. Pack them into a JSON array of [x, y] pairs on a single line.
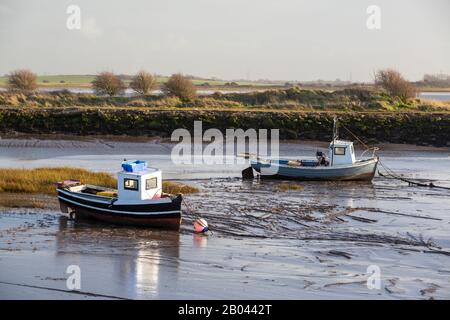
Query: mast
[[335, 129], [335, 136]]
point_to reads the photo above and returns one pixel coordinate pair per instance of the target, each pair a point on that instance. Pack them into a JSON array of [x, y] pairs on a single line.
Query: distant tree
[[22, 80], [143, 82], [108, 83], [437, 80], [394, 83], [180, 86]]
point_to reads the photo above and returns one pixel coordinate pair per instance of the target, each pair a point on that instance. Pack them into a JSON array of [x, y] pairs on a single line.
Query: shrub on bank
[[180, 86], [143, 83], [107, 83], [22, 80], [394, 84]]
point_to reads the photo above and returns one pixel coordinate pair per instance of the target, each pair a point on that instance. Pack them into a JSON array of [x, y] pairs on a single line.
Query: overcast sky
[[230, 39]]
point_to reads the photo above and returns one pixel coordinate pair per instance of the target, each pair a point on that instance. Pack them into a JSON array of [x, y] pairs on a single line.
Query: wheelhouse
[[342, 152], [138, 183]]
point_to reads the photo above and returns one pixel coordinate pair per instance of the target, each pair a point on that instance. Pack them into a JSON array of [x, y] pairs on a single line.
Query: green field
[[85, 80], [58, 79]]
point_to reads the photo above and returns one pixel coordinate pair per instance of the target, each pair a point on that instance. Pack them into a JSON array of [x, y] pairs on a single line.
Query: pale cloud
[[288, 39], [174, 42]]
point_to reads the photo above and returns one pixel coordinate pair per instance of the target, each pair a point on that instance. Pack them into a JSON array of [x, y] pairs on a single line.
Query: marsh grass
[[278, 100], [42, 180], [287, 186], [175, 188]]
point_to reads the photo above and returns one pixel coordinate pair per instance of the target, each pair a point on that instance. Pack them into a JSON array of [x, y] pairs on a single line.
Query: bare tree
[[108, 83], [143, 82], [22, 80], [394, 83], [180, 86]]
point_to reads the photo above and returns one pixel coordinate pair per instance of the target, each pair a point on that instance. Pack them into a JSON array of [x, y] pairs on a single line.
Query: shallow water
[[131, 93], [442, 96], [316, 242]]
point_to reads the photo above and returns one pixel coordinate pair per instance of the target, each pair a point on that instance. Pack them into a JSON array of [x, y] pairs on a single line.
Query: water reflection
[[135, 261], [200, 241]]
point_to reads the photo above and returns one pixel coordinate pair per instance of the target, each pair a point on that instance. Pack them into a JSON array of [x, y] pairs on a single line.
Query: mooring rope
[[188, 206], [196, 217], [391, 174]]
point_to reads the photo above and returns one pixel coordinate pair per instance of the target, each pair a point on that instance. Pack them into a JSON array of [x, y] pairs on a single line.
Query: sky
[[228, 39]]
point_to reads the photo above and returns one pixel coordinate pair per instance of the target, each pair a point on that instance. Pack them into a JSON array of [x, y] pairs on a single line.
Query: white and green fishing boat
[[341, 164]]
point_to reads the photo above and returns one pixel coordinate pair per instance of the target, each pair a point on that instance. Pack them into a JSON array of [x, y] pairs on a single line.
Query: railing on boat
[[374, 149]]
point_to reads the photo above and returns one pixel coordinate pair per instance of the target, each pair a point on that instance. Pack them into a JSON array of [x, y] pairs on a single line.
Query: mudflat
[[320, 240]]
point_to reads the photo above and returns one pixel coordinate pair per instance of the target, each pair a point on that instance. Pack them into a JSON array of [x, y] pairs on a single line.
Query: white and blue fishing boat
[[138, 200], [341, 164]]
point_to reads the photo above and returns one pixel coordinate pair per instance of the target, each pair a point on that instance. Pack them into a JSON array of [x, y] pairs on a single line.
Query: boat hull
[[154, 214], [360, 171]]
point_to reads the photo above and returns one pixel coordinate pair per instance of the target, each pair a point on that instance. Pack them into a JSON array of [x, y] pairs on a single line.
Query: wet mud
[[322, 240]]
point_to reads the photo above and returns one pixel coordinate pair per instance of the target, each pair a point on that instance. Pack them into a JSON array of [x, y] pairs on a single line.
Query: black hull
[[163, 215]]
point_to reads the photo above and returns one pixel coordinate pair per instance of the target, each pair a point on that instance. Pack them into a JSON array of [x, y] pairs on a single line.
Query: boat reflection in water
[[120, 261]]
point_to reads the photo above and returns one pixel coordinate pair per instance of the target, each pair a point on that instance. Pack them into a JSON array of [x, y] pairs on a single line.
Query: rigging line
[[355, 136]]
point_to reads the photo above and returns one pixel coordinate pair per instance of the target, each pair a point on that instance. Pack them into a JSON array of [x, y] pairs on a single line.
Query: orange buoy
[[200, 226]]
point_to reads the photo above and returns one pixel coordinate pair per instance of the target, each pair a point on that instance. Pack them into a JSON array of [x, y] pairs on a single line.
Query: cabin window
[[131, 184], [151, 183], [339, 151]]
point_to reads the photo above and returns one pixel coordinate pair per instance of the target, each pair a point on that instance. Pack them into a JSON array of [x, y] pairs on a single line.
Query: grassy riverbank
[[295, 99], [298, 113], [32, 187], [421, 128]]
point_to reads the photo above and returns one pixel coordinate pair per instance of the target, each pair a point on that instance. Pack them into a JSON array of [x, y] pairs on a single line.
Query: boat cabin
[[138, 200], [342, 152], [137, 182]]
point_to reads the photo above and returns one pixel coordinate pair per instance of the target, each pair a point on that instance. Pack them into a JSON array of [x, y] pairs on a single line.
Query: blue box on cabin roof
[[134, 165]]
